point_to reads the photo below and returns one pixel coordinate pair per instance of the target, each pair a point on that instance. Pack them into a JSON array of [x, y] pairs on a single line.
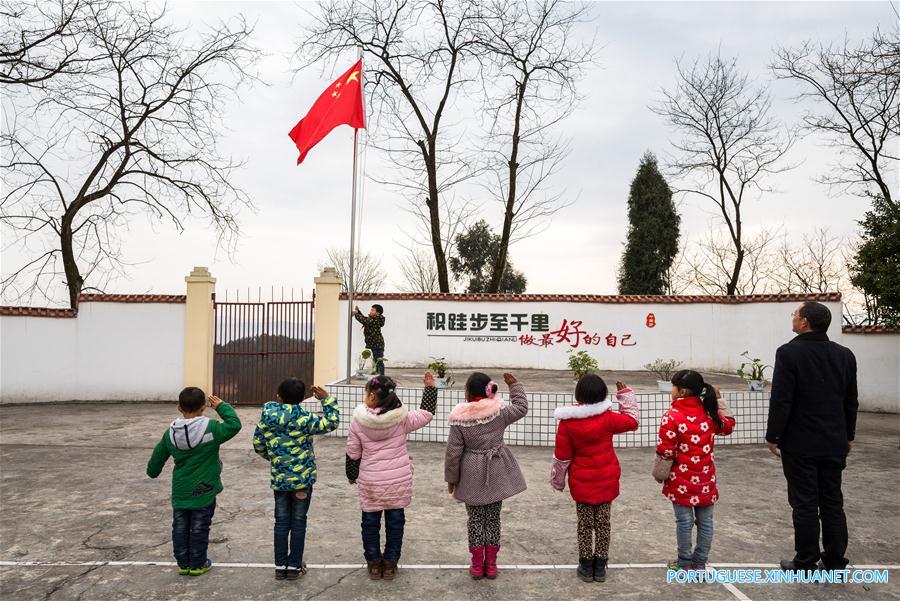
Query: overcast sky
[[302, 210]]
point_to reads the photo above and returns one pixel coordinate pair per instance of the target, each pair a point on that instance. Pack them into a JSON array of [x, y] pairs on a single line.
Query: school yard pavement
[[80, 520]]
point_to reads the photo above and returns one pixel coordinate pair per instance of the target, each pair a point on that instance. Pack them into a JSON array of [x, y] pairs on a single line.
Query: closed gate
[[257, 345]]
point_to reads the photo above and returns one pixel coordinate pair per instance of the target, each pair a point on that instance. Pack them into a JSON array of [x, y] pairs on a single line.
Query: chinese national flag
[[341, 103]]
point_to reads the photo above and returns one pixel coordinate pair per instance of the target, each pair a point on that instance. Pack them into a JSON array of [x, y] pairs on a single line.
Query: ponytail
[[384, 389], [692, 381]]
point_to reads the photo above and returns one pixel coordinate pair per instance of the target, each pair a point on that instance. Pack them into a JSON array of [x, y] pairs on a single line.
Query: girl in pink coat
[[379, 464]]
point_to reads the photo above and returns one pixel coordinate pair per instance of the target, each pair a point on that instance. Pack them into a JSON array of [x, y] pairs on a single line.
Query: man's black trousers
[[814, 492]]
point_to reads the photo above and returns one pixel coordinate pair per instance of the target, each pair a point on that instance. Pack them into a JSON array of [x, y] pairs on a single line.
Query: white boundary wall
[[111, 351], [704, 336], [878, 370]]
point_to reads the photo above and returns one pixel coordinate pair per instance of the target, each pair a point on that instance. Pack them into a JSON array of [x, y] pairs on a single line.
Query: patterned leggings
[[593, 530], [484, 524]]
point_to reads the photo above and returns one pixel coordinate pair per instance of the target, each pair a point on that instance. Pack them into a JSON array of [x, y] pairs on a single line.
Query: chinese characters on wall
[[530, 329]]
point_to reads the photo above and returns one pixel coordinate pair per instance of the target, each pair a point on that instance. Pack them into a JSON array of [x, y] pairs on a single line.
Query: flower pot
[[756, 385], [664, 386], [360, 375], [441, 383]]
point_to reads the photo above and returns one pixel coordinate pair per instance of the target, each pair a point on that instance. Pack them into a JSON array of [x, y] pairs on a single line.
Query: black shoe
[[280, 573], [586, 569], [789, 565], [599, 570], [295, 573]]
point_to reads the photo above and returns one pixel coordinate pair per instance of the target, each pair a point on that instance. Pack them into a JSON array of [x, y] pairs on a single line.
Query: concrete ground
[[73, 491], [558, 380]]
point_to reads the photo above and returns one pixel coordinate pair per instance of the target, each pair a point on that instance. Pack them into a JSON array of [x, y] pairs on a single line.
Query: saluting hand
[[509, 379], [214, 401], [319, 392], [428, 379]]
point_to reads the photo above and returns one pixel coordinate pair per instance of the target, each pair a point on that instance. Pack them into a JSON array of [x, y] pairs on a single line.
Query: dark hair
[[378, 309], [191, 399], [817, 314], [292, 391], [384, 388], [692, 381], [590, 389], [476, 385]]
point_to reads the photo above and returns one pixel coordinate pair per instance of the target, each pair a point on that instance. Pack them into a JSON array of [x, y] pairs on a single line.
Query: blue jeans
[[290, 527], [190, 535], [394, 520], [378, 353], [684, 524]]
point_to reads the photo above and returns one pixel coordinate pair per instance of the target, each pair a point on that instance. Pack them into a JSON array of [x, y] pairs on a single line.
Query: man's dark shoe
[[280, 573], [586, 569], [789, 565], [599, 570]]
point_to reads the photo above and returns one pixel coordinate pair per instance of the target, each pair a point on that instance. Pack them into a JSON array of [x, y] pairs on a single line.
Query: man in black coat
[[812, 423]]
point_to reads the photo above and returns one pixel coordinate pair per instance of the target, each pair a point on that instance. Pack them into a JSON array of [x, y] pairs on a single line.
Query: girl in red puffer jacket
[[584, 449], [687, 434]]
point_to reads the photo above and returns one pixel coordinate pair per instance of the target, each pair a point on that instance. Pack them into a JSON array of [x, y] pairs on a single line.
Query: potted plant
[[664, 370], [582, 364], [443, 378], [364, 357], [753, 371]]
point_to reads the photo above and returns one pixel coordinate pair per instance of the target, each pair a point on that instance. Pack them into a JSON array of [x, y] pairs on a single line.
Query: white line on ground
[[420, 566]]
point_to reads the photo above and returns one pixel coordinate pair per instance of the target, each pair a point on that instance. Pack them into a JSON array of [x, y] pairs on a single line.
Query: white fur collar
[[582, 411], [366, 418], [478, 412]]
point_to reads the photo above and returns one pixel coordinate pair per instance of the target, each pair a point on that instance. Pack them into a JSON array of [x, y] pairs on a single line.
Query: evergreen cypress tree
[[653, 231]]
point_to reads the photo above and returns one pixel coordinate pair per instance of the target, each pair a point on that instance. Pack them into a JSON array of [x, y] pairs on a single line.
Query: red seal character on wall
[[651, 320]]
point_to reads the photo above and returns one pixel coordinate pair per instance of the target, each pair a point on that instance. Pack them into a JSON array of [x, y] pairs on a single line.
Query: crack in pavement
[[331, 586], [69, 579], [118, 551]]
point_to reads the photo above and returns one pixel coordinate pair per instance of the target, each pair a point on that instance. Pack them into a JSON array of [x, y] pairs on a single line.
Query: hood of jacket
[[582, 411], [276, 414], [470, 414], [188, 434], [378, 424]]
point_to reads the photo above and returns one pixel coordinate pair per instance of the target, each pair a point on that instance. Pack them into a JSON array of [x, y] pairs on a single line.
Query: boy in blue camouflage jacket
[[283, 437]]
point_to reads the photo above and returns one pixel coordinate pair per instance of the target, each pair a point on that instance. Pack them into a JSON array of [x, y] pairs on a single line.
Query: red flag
[[341, 103]]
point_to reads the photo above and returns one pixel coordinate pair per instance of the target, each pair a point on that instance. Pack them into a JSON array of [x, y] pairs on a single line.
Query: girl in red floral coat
[[686, 437], [584, 449]]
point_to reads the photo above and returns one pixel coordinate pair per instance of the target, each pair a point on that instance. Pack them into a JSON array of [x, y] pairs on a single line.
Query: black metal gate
[[257, 345]]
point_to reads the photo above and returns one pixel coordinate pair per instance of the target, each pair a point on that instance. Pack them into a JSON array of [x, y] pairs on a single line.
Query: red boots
[[476, 570], [490, 560]]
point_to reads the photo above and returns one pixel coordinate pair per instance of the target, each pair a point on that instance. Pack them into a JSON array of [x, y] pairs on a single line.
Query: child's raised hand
[[319, 392], [214, 401], [428, 379], [509, 379], [620, 385]]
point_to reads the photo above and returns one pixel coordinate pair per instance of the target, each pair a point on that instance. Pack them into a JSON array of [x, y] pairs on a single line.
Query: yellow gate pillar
[[199, 329], [328, 294]]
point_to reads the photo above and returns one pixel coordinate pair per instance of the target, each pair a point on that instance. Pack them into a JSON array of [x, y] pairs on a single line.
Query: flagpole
[[352, 244], [352, 240]]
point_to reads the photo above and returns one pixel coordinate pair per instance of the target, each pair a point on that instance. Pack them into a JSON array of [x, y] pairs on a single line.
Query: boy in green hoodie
[[193, 442]]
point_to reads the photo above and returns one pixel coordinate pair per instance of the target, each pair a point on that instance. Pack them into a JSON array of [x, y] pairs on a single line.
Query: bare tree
[[707, 266], [533, 60], [729, 143], [815, 265], [418, 50], [368, 275], [136, 133], [419, 271], [856, 91], [40, 39]]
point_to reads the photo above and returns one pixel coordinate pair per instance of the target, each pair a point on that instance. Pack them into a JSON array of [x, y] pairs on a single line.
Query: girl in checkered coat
[[479, 469], [687, 434]]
